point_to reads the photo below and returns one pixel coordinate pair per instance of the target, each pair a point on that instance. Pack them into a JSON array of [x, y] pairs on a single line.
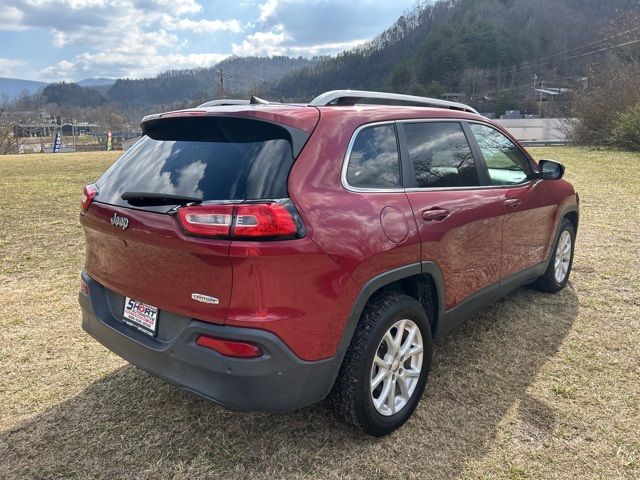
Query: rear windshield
[[204, 158]]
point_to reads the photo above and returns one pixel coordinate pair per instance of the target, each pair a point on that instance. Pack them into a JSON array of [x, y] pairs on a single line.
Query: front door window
[[506, 163]]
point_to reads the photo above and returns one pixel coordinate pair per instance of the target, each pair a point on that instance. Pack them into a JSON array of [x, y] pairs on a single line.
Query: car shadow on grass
[[129, 424]]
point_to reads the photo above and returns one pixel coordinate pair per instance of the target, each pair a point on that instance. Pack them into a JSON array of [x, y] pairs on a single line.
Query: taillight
[[263, 220], [230, 348], [207, 220], [88, 194], [84, 288], [254, 220]]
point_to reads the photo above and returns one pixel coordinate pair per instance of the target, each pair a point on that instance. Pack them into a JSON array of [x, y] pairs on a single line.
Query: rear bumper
[[277, 381]]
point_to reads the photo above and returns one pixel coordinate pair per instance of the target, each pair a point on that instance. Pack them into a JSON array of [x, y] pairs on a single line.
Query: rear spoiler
[[202, 125]]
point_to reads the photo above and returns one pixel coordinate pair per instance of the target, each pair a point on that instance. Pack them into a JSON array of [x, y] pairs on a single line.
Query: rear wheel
[[557, 274], [386, 367]]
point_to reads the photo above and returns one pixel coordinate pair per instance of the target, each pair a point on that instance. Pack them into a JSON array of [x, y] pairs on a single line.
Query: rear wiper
[[149, 199]]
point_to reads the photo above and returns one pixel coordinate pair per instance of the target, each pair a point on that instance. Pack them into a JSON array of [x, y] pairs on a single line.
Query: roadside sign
[[57, 143]]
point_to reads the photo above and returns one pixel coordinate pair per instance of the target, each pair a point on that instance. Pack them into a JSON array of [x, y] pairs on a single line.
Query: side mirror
[[551, 170]]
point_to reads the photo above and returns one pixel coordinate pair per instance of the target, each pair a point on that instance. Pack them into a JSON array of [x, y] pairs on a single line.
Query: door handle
[[435, 214], [513, 202]]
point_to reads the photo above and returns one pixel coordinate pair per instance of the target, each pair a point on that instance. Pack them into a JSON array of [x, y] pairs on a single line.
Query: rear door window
[[440, 155], [207, 159], [374, 161]]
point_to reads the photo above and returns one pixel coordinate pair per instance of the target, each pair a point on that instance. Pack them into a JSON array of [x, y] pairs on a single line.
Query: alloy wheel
[[396, 367], [563, 256]]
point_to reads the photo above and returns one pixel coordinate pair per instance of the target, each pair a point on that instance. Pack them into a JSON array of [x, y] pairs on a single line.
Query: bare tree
[[475, 81], [610, 92], [8, 142]]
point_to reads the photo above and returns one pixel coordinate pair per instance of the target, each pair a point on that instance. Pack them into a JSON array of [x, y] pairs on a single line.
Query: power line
[[513, 70], [581, 55], [571, 50], [534, 63], [593, 52]]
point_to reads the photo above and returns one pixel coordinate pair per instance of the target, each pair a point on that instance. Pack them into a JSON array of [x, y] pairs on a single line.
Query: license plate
[[141, 316]]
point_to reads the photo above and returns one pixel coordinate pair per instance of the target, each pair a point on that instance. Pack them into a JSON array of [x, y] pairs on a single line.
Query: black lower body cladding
[[278, 381]]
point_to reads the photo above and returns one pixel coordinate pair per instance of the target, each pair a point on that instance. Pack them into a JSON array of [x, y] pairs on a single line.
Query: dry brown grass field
[[536, 386]]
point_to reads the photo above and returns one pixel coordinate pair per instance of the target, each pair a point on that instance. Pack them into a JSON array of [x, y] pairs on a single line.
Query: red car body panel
[[348, 225], [528, 225], [564, 198], [284, 287], [154, 262], [467, 244]]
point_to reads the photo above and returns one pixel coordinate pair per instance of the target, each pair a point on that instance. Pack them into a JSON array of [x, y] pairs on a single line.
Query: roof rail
[[224, 101], [352, 97]]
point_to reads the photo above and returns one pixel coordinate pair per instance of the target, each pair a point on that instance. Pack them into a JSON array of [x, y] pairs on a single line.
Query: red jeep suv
[[265, 256]]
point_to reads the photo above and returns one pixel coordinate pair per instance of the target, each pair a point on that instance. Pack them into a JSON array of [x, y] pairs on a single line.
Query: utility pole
[[221, 83], [541, 88], [222, 75], [41, 135], [16, 131]]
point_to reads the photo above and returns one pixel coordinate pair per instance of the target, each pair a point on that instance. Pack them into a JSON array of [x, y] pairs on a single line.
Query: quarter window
[[506, 163], [440, 155], [374, 161]]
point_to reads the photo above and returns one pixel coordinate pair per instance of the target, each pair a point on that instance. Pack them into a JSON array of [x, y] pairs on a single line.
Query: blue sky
[[53, 40]]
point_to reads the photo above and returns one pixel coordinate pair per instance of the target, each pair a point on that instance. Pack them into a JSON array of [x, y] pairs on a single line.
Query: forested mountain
[[477, 47], [72, 95], [96, 82], [242, 75]]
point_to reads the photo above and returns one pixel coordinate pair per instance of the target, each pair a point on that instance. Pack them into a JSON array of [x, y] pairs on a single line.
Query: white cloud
[[323, 48], [6, 64], [125, 65], [177, 7], [262, 43], [267, 9], [11, 19], [278, 42], [119, 37], [63, 70], [202, 26], [132, 39], [109, 23]]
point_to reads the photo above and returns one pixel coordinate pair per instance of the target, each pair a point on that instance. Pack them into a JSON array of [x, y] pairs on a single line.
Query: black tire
[[548, 282], [350, 399]]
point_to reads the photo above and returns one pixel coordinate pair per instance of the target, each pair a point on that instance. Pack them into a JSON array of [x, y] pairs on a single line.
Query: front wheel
[[386, 367], [557, 274]]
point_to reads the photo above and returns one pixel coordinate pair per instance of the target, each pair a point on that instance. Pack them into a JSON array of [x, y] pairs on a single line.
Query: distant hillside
[[465, 46], [242, 75], [100, 85], [13, 87], [72, 95], [96, 82]]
